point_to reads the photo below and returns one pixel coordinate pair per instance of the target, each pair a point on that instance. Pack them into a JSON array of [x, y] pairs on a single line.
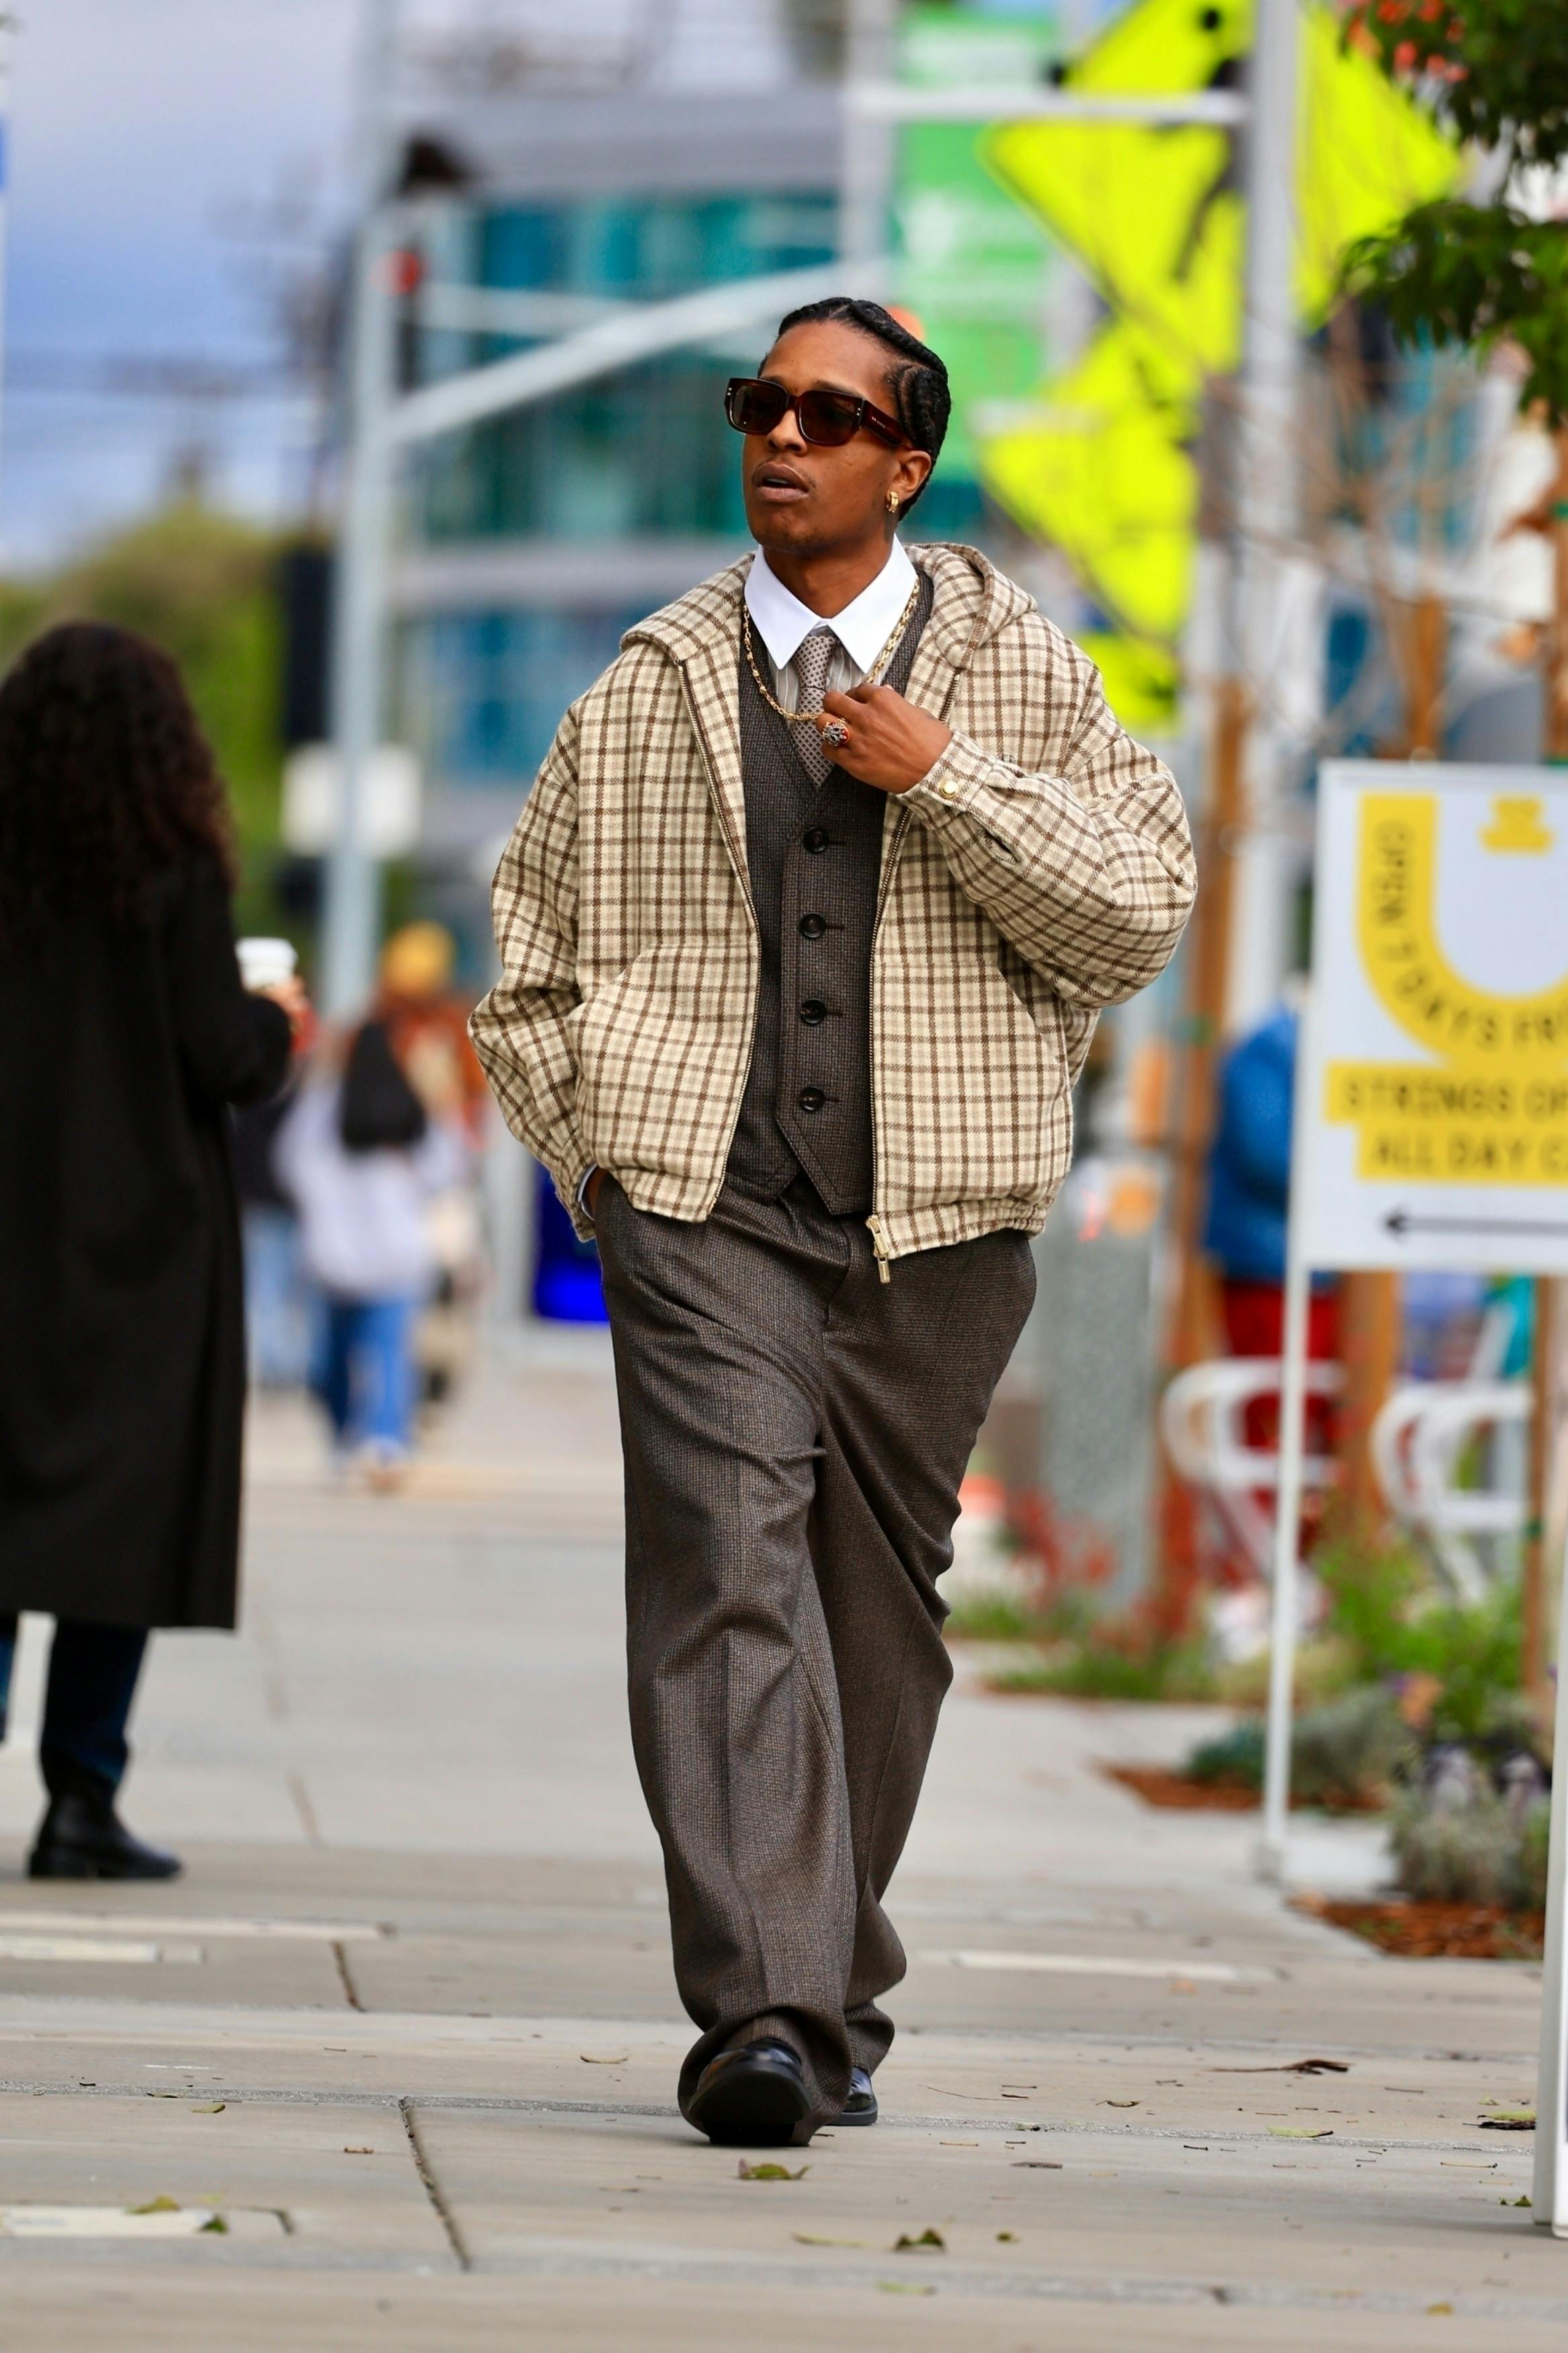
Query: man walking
[[805, 928]]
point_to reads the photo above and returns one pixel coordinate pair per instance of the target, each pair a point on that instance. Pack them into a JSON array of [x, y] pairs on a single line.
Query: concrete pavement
[[407, 2027]]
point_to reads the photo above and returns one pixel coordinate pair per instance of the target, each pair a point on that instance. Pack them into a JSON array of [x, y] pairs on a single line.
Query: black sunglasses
[[828, 420]]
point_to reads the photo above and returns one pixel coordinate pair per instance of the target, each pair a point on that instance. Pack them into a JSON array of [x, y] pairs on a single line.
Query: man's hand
[[590, 1191], [892, 744]]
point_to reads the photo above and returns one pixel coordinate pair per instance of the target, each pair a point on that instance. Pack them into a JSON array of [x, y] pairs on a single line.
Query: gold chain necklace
[[809, 718]]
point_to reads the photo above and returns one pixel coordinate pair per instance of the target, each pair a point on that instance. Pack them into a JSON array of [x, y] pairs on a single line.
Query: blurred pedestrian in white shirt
[[364, 1161]]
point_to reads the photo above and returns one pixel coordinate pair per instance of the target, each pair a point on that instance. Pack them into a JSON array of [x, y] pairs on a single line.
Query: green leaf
[[770, 2172], [214, 2223], [904, 2245], [156, 2206]]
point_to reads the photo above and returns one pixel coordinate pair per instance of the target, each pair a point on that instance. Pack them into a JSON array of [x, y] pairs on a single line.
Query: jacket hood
[[972, 602]]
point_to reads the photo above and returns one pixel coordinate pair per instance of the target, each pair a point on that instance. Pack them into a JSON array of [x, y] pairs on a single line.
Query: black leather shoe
[[84, 1838], [860, 2107], [755, 2096]]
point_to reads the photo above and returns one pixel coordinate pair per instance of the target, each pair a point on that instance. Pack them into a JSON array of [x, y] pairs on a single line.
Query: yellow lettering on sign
[[1494, 1109], [1407, 965]]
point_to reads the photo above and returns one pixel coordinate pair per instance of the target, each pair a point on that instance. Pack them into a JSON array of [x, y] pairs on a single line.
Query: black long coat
[[121, 1301]]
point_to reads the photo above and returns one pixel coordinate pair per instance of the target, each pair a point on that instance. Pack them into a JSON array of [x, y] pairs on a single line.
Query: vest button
[[813, 1011], [813, 926], [814, 839], [811, 1098]]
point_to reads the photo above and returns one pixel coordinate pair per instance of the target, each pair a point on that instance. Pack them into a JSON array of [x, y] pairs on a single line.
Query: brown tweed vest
[[814, 854]]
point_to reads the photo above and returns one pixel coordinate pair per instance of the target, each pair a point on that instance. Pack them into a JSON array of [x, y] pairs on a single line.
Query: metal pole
[[353, 910], [867, 169], [1550, 2194], [7, 25], [1265, 519], [1286, 1604]]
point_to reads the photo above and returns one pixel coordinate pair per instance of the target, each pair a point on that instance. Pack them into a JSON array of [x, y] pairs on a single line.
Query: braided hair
[[917, 378]]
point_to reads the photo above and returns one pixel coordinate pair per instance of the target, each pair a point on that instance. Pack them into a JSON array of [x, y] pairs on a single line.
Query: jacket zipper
[[880, 1246]]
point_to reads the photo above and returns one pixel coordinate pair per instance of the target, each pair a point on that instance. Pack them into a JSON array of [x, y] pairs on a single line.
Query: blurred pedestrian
[[1249, 1206], [362, 1161], [803, 931], [1244, 1236], [277, 1297], [125, 1034], [426, 1023]]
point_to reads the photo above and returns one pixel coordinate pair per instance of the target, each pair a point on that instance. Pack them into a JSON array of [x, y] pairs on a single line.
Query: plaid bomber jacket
[[1041, 870]]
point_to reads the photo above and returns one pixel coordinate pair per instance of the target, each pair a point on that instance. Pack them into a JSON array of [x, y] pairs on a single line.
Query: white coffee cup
[[266, 963]]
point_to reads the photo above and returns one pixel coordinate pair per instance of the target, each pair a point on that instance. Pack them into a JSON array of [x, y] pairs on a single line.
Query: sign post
[[1431, 1131], [1549, 2196], [1431, 1127]]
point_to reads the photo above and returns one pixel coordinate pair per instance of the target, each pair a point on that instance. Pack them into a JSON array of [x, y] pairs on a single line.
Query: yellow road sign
[[1100, 462]]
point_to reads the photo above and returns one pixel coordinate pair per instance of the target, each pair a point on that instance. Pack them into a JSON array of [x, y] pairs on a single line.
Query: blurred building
[[624, 173]]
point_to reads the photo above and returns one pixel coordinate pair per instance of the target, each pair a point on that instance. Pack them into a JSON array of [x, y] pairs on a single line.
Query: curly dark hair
[[106, 779], [916, 376]]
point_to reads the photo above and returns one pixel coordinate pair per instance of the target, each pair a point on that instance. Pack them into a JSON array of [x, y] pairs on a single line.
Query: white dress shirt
[[862, 628]]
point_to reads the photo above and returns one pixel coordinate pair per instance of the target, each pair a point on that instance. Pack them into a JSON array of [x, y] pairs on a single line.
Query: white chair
[[1418, 1441], [1202, 1422]]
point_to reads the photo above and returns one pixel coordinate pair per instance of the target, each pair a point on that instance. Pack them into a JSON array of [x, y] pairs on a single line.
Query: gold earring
[[893, 503]]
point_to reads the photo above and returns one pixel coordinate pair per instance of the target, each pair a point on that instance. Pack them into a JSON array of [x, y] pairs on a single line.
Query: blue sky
[[137, 127]]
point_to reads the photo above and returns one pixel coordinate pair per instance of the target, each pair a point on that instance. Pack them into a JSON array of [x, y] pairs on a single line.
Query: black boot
[[83, 1837]]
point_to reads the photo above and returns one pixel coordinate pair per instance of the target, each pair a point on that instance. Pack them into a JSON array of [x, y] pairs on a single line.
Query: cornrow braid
[[917, 377]]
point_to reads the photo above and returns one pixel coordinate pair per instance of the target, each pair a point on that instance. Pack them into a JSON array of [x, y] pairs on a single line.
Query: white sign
[[389, 795], [1436, 1100]]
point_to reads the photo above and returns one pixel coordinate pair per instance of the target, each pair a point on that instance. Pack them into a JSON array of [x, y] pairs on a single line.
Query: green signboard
[[975, 264]]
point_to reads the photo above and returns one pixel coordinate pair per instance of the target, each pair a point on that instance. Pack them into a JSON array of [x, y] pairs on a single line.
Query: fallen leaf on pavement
[[592, 2059], [815, 2239], [1036, 2165], [1439, 2307], [904, 2245], [1513, 2201], [1508, 2120], [215, 2224], [357, 2149], [1121, 2104], [208, 2107], [156, 2206], [770, 2172], [903, 2287], [1007, 2238], [1301, 2132]]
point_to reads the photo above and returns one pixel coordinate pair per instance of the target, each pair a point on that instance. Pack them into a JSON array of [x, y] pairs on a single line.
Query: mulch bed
[[1452, 1932], [1159, 1785]]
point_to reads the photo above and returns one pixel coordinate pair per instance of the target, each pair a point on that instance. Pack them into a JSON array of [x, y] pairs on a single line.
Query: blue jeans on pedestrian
[[277, 1300], [365, 1373], [83, 1749]]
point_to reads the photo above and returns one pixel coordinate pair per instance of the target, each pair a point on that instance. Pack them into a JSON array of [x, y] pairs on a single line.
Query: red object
[[1255, 1326], [404, 270]]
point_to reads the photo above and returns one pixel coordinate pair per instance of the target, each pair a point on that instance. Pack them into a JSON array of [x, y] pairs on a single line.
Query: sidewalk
[[408, 2024]]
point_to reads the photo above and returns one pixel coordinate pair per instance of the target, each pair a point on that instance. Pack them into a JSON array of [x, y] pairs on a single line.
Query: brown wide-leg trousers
[[794, 1433]]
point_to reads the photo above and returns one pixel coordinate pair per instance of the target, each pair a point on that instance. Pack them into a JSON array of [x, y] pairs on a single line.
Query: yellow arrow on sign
[[1101, 461]]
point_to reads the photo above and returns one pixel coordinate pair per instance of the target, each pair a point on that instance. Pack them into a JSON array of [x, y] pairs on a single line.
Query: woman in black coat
[[125, 1034]]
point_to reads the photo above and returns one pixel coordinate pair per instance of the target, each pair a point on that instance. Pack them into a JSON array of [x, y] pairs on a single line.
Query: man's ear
[[911, 472]]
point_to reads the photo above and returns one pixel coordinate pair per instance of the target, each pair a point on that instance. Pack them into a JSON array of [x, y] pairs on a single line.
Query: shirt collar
[[862, 628]]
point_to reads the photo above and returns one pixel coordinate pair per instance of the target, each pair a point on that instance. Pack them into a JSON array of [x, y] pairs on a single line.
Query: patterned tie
[[812, 662]]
